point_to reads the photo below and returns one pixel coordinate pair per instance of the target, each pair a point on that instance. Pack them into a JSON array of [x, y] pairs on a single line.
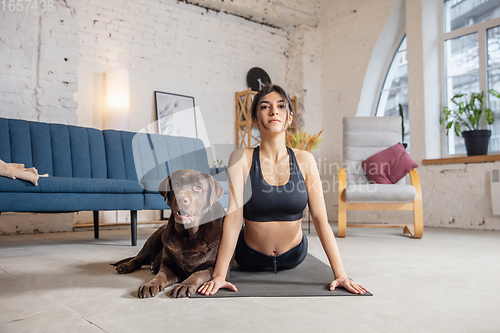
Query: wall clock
[[257, 78]]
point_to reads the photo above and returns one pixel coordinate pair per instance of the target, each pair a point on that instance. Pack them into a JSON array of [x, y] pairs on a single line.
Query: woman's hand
[[350, 285], [211, 287]]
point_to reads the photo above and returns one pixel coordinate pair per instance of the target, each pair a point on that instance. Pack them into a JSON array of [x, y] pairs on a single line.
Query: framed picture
[[176, 114]]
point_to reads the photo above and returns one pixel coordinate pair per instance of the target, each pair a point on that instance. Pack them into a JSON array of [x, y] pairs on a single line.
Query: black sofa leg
[[133, 226], [96, 224]]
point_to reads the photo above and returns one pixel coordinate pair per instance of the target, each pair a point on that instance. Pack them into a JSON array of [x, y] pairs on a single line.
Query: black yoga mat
[[311, 278]]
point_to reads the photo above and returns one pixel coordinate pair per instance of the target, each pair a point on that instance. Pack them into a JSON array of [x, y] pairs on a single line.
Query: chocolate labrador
[[185, 248]]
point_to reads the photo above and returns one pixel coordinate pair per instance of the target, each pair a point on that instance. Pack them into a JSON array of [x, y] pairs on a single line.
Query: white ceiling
[[278, 13]]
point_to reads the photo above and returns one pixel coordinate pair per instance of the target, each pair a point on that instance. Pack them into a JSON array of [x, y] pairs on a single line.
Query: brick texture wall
[[39, 59], [458, 196]]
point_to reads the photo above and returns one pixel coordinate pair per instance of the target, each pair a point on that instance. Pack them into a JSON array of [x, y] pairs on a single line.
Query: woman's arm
[[232, 223], [230, 233], [317, 209]]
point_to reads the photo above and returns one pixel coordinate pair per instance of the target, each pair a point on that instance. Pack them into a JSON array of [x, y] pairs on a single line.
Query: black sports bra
[[274, 202]]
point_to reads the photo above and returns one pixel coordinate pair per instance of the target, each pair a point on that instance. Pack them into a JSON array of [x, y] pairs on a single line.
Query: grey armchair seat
[[364, 137]]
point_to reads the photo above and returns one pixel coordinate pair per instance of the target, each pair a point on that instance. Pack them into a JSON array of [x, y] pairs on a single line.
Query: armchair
[[364, 137]]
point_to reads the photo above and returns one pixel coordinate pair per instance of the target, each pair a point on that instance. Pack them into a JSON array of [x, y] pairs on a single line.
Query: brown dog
[[185, 248]]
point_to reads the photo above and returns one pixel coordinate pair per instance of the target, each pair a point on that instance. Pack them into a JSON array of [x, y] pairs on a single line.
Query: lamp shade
[[117, 98]]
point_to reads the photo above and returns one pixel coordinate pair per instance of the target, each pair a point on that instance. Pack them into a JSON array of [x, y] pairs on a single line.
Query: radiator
[[495, 191]]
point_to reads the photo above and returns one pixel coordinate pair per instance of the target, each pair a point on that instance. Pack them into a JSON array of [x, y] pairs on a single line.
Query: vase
[[476, 142]]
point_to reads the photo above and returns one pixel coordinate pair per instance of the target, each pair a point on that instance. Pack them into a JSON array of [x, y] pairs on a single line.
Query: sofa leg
[[96, 224], [133, 226]]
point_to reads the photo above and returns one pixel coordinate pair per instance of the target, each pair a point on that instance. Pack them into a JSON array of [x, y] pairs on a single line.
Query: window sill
[[463, 159]]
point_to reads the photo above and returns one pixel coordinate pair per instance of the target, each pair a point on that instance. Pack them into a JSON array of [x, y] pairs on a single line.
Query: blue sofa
[[93, 170]]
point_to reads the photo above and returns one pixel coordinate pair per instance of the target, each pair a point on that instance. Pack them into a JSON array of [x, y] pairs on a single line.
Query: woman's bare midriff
[[273, 238]]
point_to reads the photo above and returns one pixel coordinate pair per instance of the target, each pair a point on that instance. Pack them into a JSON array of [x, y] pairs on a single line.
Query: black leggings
[[249, 258]]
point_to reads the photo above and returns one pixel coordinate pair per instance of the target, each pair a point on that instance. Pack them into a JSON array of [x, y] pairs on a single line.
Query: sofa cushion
[[157, 156], [379, 192], [389, 166], [154, 201], [119, 167], [69, 202], [71, 185], [57, 149]]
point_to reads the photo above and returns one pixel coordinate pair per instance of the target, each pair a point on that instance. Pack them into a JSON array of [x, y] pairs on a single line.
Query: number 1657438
[[26, 5]]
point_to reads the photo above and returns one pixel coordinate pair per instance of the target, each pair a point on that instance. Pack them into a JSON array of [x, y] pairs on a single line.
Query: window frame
[[387, 67], [480, 29]]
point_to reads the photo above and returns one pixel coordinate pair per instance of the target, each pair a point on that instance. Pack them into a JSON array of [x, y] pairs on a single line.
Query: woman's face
[[272, 113]]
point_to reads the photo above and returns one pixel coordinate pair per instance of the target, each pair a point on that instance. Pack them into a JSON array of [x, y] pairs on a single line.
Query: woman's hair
[[267, 89]]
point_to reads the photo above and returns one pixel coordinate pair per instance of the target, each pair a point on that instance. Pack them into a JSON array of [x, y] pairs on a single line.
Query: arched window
[[395, 90]]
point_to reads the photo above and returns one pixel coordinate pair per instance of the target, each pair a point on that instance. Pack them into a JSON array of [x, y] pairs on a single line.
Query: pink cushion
[[389, 165]]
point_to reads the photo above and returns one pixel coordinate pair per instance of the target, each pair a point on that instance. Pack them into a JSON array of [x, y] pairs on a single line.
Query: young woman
[[282, 181]]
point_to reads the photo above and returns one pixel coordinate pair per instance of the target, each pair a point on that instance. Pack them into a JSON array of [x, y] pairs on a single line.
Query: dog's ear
[[216, 190], [165, 188]]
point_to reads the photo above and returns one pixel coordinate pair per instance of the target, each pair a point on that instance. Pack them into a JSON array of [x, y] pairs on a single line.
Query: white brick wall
[[29, 223], [18, 47], [458, 196], [39, 59]]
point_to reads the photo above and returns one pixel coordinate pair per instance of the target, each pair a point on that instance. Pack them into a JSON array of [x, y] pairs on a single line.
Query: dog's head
[[190, 194]]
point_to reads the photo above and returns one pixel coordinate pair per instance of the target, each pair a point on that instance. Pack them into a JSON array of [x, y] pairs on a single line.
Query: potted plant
[[300, 139], [466, 120]]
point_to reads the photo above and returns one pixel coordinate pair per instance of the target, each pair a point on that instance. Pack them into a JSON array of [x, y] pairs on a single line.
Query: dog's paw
[[150, 289], [183, 290], [126, 267]]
